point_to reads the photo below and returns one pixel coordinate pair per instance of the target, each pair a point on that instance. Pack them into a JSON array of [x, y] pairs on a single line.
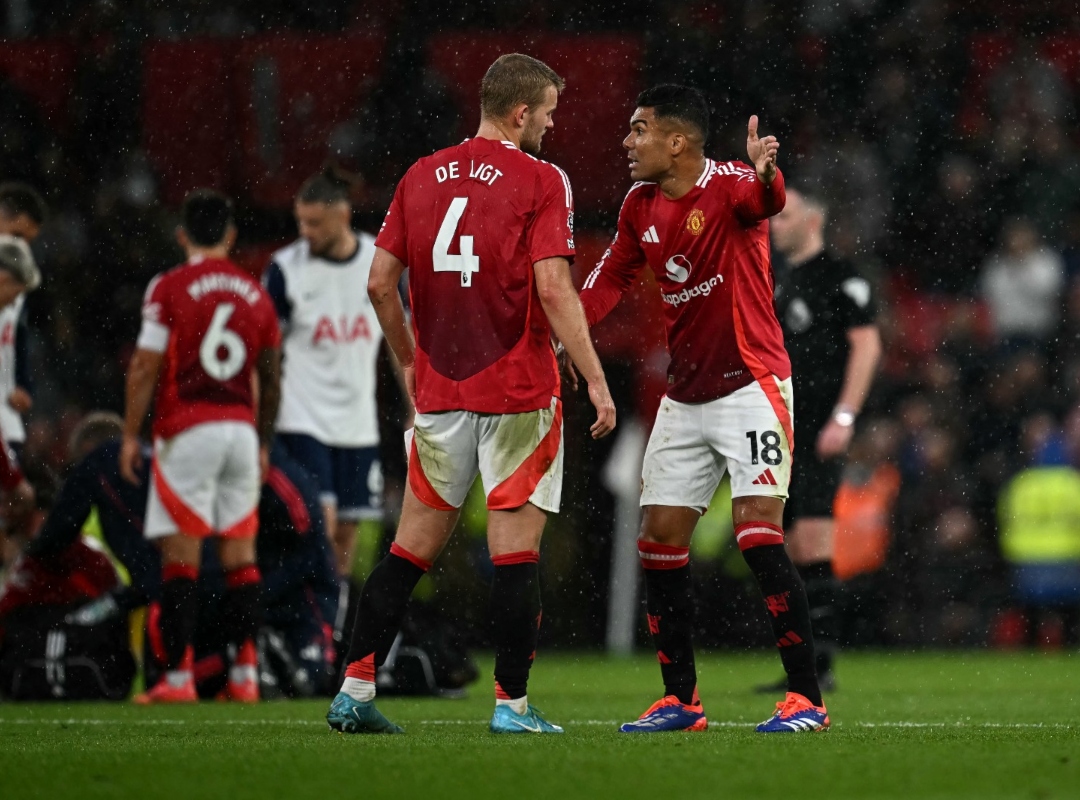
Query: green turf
[[906, 726]]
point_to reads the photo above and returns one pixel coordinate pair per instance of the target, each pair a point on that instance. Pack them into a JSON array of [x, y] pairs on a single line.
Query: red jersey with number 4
[[218, 320], [469, 222], [709, 251]]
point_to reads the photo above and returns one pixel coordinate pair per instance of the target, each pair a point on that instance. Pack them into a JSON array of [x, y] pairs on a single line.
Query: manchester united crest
[[695, 223]]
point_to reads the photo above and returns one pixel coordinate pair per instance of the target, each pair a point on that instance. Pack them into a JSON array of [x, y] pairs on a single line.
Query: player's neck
[[682, 178], [344, 248], [217, 253], [814, 246], [492, 129]]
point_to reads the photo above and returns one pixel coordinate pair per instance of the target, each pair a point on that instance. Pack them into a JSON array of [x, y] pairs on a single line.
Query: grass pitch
[[974, 725]]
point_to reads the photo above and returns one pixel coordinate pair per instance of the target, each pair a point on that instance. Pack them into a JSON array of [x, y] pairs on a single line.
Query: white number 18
[[466, 263]]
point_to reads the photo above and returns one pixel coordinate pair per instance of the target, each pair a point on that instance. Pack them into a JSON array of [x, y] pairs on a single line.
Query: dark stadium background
[[931, 126]]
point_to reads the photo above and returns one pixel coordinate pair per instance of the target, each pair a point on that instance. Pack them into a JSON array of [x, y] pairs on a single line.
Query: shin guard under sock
[[822, 589], [381, 609], [515, 620], [785, 600], [242, 604], [669, 589], [179, 609]]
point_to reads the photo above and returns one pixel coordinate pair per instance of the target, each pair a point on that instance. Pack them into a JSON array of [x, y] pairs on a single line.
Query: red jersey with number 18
[[211, 319], [469, 222]]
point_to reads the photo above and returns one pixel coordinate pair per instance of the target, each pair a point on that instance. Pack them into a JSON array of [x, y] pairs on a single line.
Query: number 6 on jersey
[[222, 366], [441, 258]]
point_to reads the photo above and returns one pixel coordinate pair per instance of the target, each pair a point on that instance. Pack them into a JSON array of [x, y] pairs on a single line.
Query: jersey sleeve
[[551, 233], [617, 270], [392, 233], [855, 300], [156, 317], [752, 200], [274, 283]]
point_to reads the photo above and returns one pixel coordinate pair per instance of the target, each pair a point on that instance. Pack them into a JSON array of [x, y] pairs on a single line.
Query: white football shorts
[[205, 481], [519, 457], [747, 433]]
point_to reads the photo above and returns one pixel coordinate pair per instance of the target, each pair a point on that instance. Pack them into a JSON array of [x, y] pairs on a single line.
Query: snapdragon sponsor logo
[[703, 289]]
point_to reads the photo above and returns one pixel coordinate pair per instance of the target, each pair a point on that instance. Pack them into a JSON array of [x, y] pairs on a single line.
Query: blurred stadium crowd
[[942, 136]]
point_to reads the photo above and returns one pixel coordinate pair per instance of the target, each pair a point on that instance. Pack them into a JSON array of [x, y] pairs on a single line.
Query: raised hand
[[762, 152]]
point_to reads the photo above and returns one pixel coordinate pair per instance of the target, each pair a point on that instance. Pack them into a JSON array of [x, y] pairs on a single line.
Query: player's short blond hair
[[515, 79]]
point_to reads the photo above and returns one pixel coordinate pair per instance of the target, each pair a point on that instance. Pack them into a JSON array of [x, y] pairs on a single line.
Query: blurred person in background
[[22, 213], [208, 356], [1022, 283], [1039, 532], [828, 315], [328, 420], [18, 274]]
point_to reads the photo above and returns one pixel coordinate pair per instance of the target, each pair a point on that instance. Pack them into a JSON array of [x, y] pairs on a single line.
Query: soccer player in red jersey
[[208, 329], [486, 229], [702, 227]]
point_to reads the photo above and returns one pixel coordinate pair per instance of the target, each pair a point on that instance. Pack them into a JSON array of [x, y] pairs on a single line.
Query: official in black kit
[[828, 314]]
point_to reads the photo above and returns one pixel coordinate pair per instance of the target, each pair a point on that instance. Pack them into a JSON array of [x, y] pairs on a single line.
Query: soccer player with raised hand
[[486, 230], [702, 227]]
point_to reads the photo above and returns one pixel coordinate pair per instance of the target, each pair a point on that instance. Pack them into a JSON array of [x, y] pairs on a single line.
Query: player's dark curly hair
[[206, 215], [675, 102], [331, 185], [20, 198]]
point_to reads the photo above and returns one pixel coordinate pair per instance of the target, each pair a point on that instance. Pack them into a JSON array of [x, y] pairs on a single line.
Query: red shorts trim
[[245, 528], [421, 486], [189, 523], [516, 490]]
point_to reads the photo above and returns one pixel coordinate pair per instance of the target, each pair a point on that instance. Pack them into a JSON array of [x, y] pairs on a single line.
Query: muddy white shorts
[[747, 433], [205, 481], [519, 457]]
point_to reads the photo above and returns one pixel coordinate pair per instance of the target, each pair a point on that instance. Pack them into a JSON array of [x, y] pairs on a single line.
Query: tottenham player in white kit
[[328, 419]]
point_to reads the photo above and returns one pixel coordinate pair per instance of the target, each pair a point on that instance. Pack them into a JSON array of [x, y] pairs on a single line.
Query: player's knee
[[671, 526], [236, 553]]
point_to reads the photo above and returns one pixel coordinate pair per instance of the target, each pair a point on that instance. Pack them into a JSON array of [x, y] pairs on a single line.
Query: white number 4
[[466, 263], [222, 352]]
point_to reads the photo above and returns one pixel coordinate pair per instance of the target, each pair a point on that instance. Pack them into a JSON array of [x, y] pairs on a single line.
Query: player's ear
[[677, 143], [182, 238], [518, 115]]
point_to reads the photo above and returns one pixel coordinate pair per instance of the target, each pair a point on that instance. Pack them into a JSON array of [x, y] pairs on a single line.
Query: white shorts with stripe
[[205, 481], [519, 457], [747, 433]]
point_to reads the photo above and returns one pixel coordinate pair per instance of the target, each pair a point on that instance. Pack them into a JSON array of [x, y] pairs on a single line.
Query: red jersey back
[[709, 251], [217, 320], [469, 222]]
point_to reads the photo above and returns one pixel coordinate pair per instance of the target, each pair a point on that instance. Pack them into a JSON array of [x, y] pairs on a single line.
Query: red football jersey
[[709, 251], [469, 222], [218, 320]]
